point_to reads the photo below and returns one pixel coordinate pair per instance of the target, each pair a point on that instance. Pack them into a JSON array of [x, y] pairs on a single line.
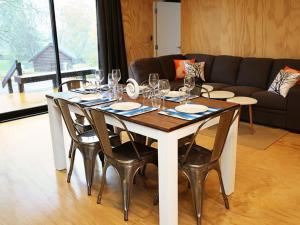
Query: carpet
[[262, 138]]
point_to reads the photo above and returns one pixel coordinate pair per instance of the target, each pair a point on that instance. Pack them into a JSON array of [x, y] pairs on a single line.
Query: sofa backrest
[[254, 72], [140, 69], [208, 59], [225, 69], [167, 65], [279, 64]]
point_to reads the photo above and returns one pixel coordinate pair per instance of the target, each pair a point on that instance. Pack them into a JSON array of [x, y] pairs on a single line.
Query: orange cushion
[[180, 68], [291, 70]]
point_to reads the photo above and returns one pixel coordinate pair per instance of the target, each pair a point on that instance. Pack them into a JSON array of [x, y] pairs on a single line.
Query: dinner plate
[[125, 106], [89, 97], [174, 94], [191, 108]]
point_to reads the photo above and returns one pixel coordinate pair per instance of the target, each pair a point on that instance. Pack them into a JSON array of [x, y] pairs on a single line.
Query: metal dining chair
[[196, 161], [81, 123], [86, 142], [126, 158]]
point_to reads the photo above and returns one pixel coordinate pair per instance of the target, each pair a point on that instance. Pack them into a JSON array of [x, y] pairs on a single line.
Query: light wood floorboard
[[33, 192]]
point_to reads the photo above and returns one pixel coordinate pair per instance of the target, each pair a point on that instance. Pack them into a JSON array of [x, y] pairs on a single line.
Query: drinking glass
[[164, 89], [189, 84], [116, 75], [119, 92], [156, 101], [146, 94], [153, 81]]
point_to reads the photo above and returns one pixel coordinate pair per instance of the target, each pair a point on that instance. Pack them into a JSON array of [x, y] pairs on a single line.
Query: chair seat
[[89, 137], [125, 153], [198, 156]]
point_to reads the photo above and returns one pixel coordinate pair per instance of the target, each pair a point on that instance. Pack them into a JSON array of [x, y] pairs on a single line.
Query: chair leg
[[127, 175], [89, 166], [71, 149], [197, 180], [73, 153], [222, 187], [103, 180], [101, 156]]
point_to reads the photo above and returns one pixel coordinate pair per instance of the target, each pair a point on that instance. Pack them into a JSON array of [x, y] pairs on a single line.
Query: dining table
[[167, 130]]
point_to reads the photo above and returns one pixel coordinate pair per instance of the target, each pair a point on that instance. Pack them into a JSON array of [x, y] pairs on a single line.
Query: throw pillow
[[291, 70], [179, 67], [196, 69], [283, 82]]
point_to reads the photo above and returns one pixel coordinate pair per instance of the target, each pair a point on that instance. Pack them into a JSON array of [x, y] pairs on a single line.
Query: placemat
[[129, 113], [187, 116], [180, 98]]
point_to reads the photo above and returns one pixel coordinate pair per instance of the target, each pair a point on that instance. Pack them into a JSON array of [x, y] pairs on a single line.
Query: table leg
[[228, 159], [168, 179], [251, 119], [57, 136]]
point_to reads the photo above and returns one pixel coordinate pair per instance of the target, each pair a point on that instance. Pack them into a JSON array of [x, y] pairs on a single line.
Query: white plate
[[125, 106], [191, 108], [174, 94], [89, 97]]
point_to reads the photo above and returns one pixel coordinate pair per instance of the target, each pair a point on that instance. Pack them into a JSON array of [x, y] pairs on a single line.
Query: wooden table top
[[158, 121]]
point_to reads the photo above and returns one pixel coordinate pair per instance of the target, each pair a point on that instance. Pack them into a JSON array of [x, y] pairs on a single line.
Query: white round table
[[247, 101], [219, 94]]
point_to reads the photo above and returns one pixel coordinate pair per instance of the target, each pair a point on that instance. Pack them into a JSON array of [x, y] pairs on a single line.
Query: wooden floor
[[33, 192]]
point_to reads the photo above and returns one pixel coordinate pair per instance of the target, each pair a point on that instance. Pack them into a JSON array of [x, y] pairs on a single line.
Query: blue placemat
[[93, 102], [180, 98], [129, 113], [187, 116]]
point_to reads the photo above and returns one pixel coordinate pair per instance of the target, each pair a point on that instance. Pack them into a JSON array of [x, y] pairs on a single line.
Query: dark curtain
[[111, 44]]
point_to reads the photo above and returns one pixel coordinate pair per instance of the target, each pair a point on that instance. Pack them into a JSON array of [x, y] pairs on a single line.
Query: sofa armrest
[[293, 109]]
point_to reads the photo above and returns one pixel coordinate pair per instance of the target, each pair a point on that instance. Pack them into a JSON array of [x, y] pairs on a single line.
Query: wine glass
[[99, 77], [164, 89], [116, 75], [153, 81], [189, 84]]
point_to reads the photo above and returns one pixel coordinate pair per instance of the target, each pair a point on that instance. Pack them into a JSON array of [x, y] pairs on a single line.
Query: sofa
[[244, 76]]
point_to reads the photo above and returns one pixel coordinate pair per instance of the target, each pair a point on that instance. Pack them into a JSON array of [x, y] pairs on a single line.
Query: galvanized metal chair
[[126, 158], [81, 123], [87, 142], [196, 161]]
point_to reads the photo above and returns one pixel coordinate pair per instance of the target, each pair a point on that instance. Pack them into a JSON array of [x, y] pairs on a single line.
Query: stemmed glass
[[164, 89], [189, 84], [99, 77], [116, 75], [153, 81]]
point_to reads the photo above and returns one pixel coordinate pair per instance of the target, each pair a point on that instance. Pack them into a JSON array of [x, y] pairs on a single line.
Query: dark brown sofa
[[243, 76]]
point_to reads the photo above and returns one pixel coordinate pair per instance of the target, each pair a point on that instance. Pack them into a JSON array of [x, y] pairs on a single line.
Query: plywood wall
[[138, 28], [262, 28]]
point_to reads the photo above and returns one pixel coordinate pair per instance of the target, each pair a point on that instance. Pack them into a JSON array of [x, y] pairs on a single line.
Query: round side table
[[219, 95], [247, 101]]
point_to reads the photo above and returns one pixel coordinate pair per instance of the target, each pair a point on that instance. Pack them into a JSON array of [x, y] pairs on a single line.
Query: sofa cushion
[[242, 90], [267, 99], [217, 86], [168, 66], [225, 69], [254, 72], [208, 59], [279, 64], [141, 68]]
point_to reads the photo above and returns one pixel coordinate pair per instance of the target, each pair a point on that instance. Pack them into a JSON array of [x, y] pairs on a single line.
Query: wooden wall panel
[[138, 28], [261, 28]]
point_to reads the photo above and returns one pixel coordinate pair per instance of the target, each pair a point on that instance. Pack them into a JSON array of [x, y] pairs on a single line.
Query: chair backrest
[[66, 114], [227, 117], [97, 120], [72, 84]]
